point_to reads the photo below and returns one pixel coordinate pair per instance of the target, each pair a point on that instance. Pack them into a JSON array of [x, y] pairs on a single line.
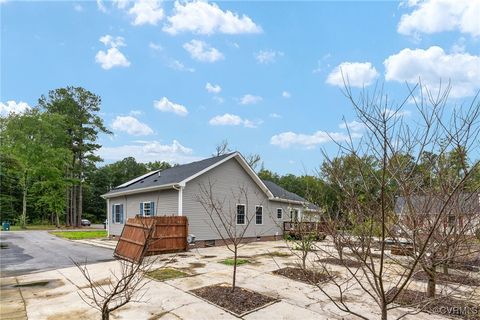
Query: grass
[[33, 227], [164, 274], [229, 261], [80, 235]]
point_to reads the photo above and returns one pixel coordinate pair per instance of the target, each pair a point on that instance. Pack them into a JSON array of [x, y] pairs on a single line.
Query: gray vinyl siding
[[166, 203], [227, 179]]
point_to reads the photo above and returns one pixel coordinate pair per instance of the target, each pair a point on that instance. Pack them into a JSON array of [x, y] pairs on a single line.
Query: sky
[[177, 78]]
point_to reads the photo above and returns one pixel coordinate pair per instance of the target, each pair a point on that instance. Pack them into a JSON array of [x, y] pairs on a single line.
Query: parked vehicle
[[85, 223]]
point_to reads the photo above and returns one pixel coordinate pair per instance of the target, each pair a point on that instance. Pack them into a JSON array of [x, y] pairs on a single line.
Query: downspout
[[108, 218], [180, 188]]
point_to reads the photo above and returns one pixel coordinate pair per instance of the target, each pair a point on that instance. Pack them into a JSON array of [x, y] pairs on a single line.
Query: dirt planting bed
[[239, 302], [306, 276], [453, 278], [445, 306], [345, 262]]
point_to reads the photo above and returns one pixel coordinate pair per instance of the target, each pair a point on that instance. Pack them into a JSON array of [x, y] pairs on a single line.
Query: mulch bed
[[306, 276], [454, 278], [345, 262], [445, 306], [240, 302]]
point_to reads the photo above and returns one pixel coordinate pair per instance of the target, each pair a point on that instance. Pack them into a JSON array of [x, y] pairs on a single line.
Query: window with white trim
[[117, 213], [147, 209], [240, 214], [279, 213], [258, 215]]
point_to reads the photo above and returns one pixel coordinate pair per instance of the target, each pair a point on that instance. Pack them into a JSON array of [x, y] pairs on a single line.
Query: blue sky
[[176, 78]]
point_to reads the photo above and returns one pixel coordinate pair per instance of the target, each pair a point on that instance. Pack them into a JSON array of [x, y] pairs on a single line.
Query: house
[[175, 191], [459, 212]]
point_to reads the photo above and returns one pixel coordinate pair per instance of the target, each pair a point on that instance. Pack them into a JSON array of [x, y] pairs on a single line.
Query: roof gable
[[180, 175], [167, 177]]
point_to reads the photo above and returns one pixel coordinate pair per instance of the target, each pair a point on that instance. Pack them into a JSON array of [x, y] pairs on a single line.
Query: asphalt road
[[25, 252]]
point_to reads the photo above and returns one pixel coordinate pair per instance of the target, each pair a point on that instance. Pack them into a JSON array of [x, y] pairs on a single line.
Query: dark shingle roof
[[279, 192], [169, 176]]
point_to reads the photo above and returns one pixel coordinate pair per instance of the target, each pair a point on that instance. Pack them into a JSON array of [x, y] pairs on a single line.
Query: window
[[147, 209], [240, 214], [279, 213], [117, 213], [258, 215]]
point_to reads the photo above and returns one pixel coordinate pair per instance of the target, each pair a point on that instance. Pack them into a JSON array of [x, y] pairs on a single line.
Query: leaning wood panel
[[169, 234]]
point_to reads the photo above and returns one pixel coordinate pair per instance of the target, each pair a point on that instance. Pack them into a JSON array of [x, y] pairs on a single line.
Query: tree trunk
[[234, 269], [23, 221], [105, 315], [384, 312], [304, 259], [80, 204], [67, 213], [431, 284], [74, 206], [57, 220], [445, 268], [80, 190]]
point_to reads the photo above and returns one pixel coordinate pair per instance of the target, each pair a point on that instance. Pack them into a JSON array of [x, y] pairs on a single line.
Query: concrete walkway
[[53, 295], [12, 305]]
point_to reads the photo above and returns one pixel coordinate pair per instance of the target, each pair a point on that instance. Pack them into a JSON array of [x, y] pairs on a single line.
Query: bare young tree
[[122, 286], [387, 166], [229, 221]]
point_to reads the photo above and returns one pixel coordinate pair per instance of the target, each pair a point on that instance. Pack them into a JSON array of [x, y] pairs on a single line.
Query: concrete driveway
[[25, 252]]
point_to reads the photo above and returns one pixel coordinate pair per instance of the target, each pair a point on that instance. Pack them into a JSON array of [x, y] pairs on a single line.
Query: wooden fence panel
[[168, 234]]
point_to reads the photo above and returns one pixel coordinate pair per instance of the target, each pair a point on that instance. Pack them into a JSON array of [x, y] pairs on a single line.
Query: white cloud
[[207, 18], [201, 51], [78, 7], [101, 7], [131, 126], [433, 65], [113, 42], [274, 115], [432, 16], [177, 65], [233, 120], [145, 151], [250, 99], [136, 112], [155, 46], [146, 12], [356, 74], [286, 94], [267, 56], [120, 4], [352, 126], [13, 107], [166, 105], [396, 113], [289, 139], [213, 88], [113, 57]]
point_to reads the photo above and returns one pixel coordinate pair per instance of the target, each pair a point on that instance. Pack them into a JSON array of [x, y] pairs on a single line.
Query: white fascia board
[[139, 190]]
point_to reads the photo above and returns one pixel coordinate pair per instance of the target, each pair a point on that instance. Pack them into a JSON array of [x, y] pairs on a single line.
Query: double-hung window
[[117, 213], [240, 214], [258, 215], [279, 213], [147, 209]]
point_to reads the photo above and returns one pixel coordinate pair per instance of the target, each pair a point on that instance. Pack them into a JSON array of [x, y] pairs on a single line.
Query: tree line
[[50, 172]]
